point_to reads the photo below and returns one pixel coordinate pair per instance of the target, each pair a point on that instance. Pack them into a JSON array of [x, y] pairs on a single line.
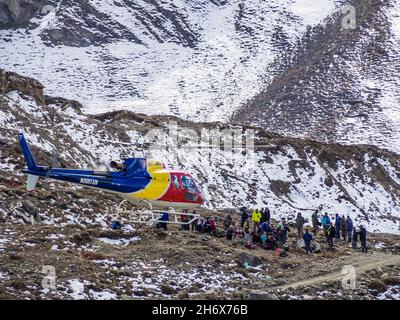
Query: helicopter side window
[[175, 181], [188, 184], [117, 166]]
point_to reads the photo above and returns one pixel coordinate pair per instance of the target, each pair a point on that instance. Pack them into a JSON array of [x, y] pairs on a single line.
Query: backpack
[[116, 225], [249, 246], [263, 238], [300, 243]]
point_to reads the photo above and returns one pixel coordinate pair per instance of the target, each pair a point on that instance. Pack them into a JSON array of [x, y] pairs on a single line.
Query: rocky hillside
[[288, 175], [342, 85], [100, 264]]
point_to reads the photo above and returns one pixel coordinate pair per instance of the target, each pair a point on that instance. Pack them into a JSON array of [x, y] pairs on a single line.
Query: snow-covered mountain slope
[[343, 85], [287, 65], [198, 59], [288, 175]]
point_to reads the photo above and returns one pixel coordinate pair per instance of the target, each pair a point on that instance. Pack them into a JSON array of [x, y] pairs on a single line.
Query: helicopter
[[136, 180]]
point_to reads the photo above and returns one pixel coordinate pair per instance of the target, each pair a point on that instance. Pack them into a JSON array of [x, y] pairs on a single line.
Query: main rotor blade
[[181, 145]]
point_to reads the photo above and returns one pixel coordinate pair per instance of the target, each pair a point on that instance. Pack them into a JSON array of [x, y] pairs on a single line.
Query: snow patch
[[119, 242]]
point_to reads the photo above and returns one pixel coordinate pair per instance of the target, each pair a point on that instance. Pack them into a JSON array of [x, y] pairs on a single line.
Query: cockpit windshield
[[188, 184]]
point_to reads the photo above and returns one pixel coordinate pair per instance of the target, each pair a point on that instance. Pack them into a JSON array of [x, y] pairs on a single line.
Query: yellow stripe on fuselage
[[157, 187]]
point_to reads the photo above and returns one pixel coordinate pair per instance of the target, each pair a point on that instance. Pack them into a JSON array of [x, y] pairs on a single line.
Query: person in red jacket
[[213, 224]]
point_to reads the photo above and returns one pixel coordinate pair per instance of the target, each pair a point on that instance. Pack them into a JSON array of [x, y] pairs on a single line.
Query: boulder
[[252, 260], [183, 295], [260, 295], [391, 280], [82, 237], [30, 208], [377, 285], [210, 294], [317, 248], [167, 289]]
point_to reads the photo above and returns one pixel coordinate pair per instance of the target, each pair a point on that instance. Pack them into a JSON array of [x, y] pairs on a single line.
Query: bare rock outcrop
[[17, 13], [10, 81]]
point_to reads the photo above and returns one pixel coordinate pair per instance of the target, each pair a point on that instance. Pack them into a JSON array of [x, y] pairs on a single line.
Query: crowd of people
[[256, 228], [342, 227]]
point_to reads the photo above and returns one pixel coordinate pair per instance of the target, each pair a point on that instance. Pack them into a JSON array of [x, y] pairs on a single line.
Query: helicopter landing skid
[[152, 217]]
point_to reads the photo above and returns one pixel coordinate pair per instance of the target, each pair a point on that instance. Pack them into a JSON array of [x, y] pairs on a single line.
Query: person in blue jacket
[[349, 229], [326, 222], [338, 221], [266, 227], [307, 237], [162, 224]]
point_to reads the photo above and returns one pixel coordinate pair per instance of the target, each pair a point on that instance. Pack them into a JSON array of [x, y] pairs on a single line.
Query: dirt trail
[[366, 263]]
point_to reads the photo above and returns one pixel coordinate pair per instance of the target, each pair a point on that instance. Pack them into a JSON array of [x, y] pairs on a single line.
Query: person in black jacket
[[244, 216], [354, 238], [282, 230], [262, 215], [363, 239], [330, 234], [227, 222], [300, 221], [265, 215], [343, 227], [315, 222], [230, 234]]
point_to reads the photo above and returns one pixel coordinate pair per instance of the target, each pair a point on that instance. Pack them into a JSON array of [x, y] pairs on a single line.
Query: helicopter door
[[177, 188]]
